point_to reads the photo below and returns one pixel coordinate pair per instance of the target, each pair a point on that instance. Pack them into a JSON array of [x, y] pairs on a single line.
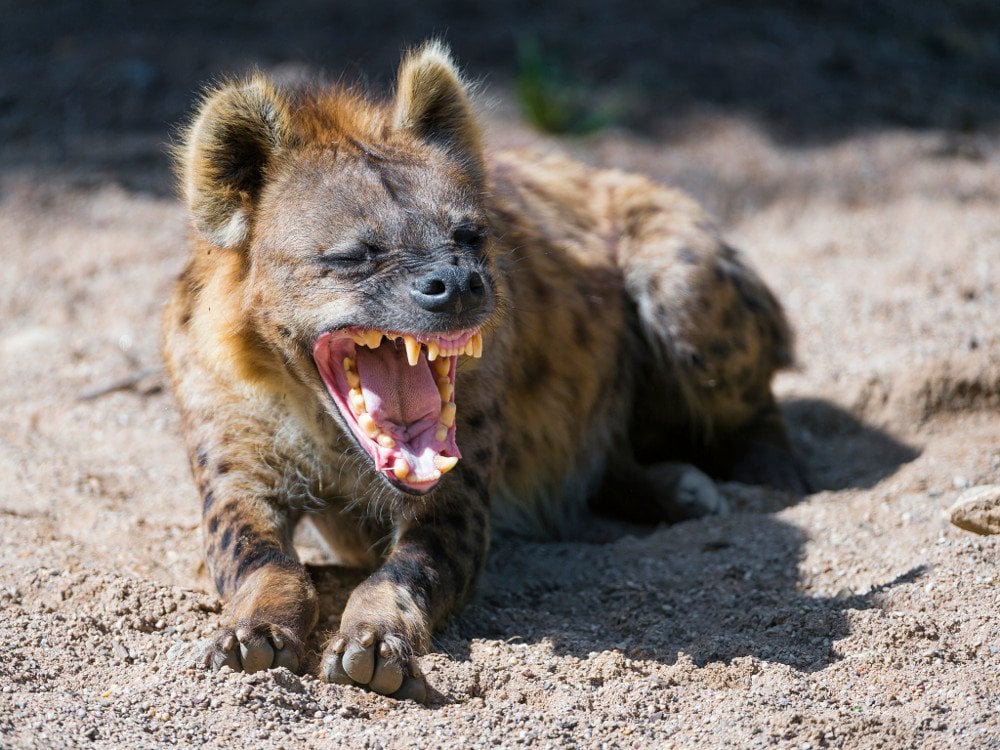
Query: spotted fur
[[624, 341]]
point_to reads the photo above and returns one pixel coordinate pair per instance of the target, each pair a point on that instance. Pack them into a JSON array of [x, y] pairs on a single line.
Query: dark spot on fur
[[201, 457], [223, 467], [261, 554], [411, 572], [730, 319], [220, 583], [243, 537], [539, 289], [285, 333], [581, 330], [661, 311], [208, 501], [402, 604], [720, 349], [483, 456], [213, 526], [653, 286], [227, 539], [686, 255], [476, 420], [185, 319]]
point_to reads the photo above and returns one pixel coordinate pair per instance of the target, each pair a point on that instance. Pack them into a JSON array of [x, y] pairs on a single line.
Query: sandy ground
[[857, 617]]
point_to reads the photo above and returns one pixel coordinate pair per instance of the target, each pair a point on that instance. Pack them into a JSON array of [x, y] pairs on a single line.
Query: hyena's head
[[365, 252]]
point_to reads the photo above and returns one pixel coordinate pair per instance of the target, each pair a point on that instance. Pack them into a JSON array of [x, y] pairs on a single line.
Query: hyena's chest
[[567, 390]]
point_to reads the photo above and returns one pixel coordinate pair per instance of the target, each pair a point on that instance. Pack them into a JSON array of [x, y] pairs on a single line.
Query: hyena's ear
[[432, 103], [239, 130]]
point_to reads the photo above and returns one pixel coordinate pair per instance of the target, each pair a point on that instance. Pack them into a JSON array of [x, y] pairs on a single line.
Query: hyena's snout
[[451, 289]]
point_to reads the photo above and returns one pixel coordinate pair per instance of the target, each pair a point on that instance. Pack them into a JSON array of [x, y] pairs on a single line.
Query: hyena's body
[[618, 336]]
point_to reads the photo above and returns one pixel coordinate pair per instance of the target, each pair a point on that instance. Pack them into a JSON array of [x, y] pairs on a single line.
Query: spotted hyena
[[412, 340]]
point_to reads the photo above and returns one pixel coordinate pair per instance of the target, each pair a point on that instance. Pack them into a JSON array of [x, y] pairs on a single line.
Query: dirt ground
[[856, 617]]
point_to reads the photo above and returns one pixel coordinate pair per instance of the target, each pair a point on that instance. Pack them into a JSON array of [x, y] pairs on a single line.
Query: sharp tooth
[[373, 339], [433, 350], [442, 366], [352, 378], [401, 468], [386, 441], [448, 414], [441, 433], [468, 348], [477, 345], [445, 388], [367, 424], [412, 350], [358, 401], [445, 463]]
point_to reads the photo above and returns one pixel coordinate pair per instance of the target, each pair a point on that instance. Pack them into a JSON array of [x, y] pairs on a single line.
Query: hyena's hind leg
[[714, 336]]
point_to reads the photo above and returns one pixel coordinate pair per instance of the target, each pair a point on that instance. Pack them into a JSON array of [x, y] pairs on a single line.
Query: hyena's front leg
[[429, 573], [272, 604]]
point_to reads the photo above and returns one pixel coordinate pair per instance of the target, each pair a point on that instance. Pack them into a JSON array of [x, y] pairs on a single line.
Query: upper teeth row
[[436, 348]]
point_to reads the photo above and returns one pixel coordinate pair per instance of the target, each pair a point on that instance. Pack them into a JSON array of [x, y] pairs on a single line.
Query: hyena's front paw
[[251, 647], [383, 662]]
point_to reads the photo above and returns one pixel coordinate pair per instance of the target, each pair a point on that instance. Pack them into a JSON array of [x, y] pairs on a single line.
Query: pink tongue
[[394, 391]]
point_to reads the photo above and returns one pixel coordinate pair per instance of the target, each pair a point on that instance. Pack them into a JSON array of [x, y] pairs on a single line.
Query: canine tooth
[[386, 441], [358, 338], [469, 349], [477, 345], [412, 350], [367, 423], [445, 463], [442, 366], [401, 468], [448, 414], [445, 388], [433, 350], [441, 433], [373, 339]]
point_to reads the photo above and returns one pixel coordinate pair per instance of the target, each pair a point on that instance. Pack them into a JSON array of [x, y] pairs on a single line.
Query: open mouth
[[397, 394]]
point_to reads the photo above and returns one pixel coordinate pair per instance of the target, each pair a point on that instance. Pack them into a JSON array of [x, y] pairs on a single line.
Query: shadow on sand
[[713, 589]]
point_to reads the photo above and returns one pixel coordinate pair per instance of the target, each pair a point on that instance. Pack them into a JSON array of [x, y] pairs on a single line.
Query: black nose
[[449, 289]]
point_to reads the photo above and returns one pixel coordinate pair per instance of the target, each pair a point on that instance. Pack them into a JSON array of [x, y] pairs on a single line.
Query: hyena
[[413, 341]]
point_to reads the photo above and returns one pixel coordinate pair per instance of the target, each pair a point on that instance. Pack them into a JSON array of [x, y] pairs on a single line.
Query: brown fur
[[621, 337]]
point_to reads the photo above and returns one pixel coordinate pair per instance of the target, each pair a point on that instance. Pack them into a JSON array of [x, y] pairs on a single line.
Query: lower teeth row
[[401, 468]]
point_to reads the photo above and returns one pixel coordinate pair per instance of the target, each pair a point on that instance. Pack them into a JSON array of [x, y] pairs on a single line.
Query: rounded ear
[[432, 103], [237, 133]]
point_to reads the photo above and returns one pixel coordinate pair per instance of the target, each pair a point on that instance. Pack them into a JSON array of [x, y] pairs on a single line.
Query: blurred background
[[93, 89]]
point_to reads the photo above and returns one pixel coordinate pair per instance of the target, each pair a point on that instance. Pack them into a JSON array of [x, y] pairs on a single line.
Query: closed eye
[[361, 252]]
